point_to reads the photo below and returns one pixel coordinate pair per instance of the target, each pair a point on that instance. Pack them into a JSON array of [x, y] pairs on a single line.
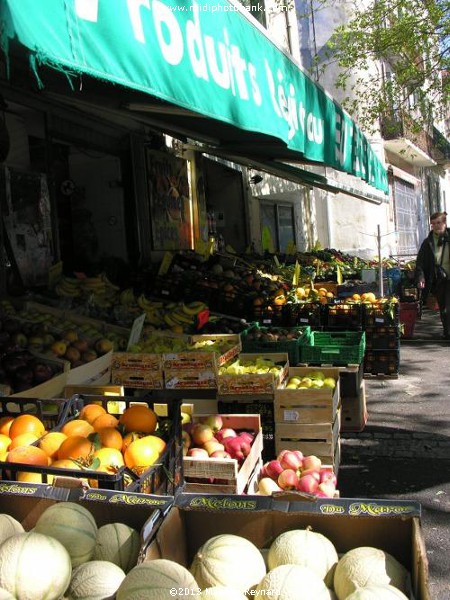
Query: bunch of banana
[[127, 297], [153, 310], [109, 285], [68, 287], [194, 308], [93, 285]]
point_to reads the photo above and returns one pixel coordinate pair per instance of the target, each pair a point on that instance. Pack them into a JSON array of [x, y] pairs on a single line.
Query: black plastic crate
[[50, 411], [343, 315], [384, 337], [386, 313], [301, 314], [382, 362], [163, 478]]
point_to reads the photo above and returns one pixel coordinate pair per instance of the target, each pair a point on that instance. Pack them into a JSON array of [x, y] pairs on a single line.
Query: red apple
[[328, 476], [280, 455], [219, 454], [197, 453], [223, 433], [212, 446], [201, 433], [290, 460], [308, 484], [247, 436], [273, 469], [312, 462], [214, 421], [327, 488], [312, 472], [299, 454], [288, 480]]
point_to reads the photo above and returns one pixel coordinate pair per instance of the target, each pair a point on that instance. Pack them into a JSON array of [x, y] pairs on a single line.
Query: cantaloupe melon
[[221, 592], [364, 566], [118, 543], [154, 579], [5, 595], [307, 549], [9, 526], [34, 567], [229, 560], [74, 526], [377, 592], [292, 582], [95, 580]]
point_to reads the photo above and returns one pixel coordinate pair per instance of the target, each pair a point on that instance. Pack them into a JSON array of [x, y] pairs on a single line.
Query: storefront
[[216, 84]]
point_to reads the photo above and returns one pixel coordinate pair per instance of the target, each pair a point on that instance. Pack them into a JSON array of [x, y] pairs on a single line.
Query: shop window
[[277, 226]]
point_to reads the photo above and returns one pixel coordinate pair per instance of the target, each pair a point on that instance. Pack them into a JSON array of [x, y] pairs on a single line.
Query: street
[[404, 450]]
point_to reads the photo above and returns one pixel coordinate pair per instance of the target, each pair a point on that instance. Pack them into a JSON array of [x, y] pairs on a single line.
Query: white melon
[[95, 580], [292, 582], [119, 544], [377, 592], [9, 526]]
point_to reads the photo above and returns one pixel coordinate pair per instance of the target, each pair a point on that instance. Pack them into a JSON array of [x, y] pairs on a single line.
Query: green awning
[[206, 57]]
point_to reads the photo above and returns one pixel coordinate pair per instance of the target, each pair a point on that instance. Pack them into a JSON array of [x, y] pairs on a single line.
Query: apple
[[289, 460], [89, 355], [42, 372], [280, 455], [288, 480], [219, 454], [201, 433], [197, 453], [236, 447], [213, 446], [214, 421], [299, 454], [329, 382], [59, 348], [72, 354], [103, 345], [328, 476], [81, 345], [224, 433], [308, 484], [247, 436], [327, 488], [294, 381], [313, 472], [312, 462], [267, 486], [273, 469]]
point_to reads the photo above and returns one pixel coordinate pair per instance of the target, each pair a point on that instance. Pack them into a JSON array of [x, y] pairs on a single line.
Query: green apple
[[329, 382], [294, 380], [316, 375]]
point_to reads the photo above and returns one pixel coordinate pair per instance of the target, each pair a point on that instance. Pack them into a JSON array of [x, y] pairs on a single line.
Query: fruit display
[[95, 442], [293, 471], [209, 438], [22, 370], [59, 556], [260, 365], [314, 379]]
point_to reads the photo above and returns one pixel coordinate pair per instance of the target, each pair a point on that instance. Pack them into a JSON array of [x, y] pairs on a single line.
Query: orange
[[109, 457], [76, 447], [91, 411], [26, 424], [143, 453], [28, 477], [5, 441], [110, 437], [24, 439], [77, 427], [66, 463], [105, 420], [139, 417], [28, 455], [51, 442], [129, 437], [5, 424]]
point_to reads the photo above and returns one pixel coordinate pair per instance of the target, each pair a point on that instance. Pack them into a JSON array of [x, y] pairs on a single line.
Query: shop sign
[[205, 56]]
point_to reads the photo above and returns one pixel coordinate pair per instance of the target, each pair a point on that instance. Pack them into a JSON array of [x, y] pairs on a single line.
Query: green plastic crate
[[334, 347], [292, 347]]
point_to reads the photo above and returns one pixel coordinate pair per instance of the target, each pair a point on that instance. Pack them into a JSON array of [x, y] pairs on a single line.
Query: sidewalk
[[404, 450]]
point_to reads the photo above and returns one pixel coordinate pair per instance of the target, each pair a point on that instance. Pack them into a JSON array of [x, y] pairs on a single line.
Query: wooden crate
[[320, 439], [253, 383], [309, 405], [354, 413], [97, 371], [230, 477]]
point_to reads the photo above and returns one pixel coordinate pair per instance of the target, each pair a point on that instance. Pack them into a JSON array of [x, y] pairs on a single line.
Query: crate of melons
[[116, 443]]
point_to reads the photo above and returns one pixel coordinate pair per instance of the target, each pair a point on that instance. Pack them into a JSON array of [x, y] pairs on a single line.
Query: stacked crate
[[308, 419], [382, 327]]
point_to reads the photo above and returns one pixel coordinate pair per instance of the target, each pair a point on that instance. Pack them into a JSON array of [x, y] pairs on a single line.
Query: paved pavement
[[404, 450]]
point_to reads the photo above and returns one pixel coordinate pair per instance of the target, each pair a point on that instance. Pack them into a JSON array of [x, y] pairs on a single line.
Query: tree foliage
[[393, 56]]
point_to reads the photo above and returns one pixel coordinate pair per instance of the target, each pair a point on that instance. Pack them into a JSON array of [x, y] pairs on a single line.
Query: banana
[[182, 317], [193, 308], [169, 320], [109, 283]]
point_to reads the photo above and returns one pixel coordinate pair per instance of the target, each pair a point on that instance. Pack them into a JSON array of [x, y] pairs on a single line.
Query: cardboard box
[[391, 525], [253, 383], [139, 361], [97, 371], [354, 413], [308, 405], [138, 378], [175, 379], [233, 479], [26, 502], [320, 439], [203, 360]]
